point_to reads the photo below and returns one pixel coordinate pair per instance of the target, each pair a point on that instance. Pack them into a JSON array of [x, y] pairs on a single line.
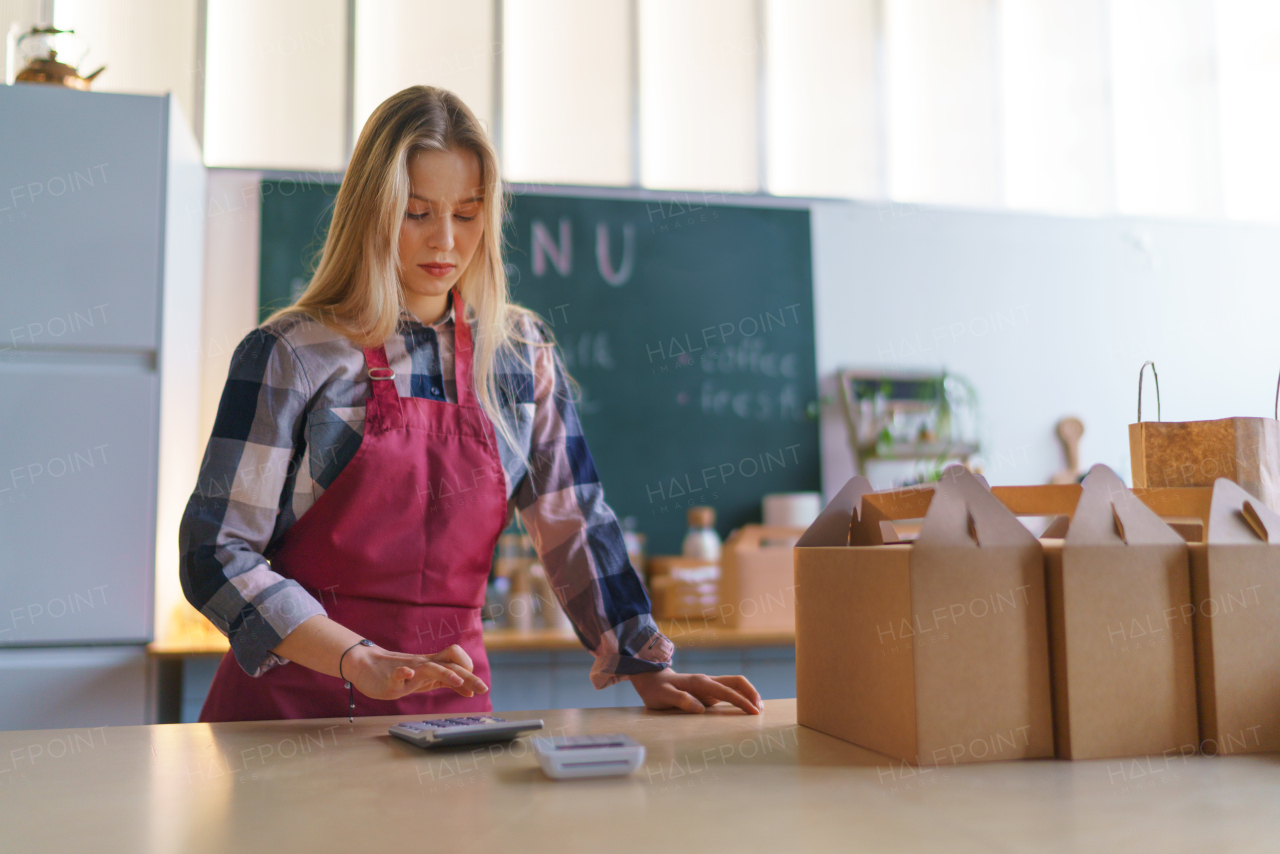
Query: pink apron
[[397, 549]]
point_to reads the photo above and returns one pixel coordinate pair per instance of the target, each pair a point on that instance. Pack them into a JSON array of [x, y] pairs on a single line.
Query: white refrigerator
[[101, 236]]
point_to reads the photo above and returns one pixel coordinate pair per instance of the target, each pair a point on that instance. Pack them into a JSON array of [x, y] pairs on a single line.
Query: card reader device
[[566, 757]]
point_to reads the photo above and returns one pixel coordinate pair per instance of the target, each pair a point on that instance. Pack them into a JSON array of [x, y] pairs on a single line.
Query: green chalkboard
[[688, 325], [295, 218], [690, 329]]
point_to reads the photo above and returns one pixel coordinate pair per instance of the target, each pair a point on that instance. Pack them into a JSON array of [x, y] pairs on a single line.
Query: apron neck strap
[[381, 375], [381, 381]]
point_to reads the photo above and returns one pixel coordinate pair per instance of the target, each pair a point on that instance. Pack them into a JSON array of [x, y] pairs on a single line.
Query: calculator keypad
[[446, 723]]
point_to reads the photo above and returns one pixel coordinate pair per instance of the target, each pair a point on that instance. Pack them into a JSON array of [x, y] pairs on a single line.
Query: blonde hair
[[356, 288]]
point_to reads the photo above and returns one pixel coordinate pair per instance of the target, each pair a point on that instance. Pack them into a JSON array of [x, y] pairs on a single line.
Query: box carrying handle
[[975, 513], [963, 512], [1119, 523], [1156, 377], [1237, 517], [1109, 513], [1250, 514]]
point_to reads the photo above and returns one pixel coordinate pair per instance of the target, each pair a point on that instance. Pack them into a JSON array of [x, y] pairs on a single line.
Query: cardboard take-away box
[[682, 588], [1120, 617], [757, 578], [1235, 580], [934, 652], [1091, 653]]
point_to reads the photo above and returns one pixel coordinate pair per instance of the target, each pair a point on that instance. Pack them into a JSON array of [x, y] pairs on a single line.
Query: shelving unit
[[881, 410]]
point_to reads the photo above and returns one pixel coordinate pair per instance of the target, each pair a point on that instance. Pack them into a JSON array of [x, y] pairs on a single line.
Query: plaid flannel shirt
[[290, 418]]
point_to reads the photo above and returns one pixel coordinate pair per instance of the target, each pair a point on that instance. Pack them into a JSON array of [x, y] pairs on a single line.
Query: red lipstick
[[438, 270]]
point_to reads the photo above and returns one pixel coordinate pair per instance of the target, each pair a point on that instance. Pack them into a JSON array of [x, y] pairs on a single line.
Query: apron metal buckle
[[390, 374]]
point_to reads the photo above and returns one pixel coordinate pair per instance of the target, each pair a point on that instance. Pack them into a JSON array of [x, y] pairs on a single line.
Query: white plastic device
[[569, 756]]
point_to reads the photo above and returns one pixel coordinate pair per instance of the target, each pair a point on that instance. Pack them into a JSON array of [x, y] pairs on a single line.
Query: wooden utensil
[[1069, 430]]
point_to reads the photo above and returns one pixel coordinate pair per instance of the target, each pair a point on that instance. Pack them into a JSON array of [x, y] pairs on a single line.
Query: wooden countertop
[[685, 634], [712, 782]]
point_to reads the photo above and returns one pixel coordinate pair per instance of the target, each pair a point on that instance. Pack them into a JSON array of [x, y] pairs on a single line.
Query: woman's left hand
[[693, 692]]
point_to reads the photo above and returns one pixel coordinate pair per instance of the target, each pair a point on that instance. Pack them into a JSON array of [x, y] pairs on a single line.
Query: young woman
[[373, 440]]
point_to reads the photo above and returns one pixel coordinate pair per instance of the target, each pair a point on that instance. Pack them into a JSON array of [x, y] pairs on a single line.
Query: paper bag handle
[[1156, 377]]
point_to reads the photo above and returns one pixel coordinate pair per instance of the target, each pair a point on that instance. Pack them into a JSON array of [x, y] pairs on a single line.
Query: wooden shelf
[[919, 451], [170, 648]]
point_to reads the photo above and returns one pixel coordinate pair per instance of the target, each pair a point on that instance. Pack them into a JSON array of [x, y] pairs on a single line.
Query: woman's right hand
[[381, 674]]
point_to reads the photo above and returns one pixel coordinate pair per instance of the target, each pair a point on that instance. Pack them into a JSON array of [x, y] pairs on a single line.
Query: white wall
[[230, 311], [275, 84], [181, 445], [1048, 316], [147, 46]]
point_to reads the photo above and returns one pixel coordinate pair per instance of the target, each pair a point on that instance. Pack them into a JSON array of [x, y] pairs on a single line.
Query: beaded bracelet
[[351, 693]]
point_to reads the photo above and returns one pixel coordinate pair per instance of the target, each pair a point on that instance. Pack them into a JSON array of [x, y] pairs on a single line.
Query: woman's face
[[444, 220]]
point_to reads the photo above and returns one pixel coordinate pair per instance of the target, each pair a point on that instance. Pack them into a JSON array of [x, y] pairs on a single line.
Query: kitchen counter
[[718, 781]]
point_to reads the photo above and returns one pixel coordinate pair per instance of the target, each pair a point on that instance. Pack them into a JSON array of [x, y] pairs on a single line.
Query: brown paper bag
[[934, 652], [1196, 453], [1121, 629], [1235, 580]]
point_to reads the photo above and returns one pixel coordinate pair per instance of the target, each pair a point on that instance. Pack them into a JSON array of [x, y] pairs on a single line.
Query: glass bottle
[[702, 542]]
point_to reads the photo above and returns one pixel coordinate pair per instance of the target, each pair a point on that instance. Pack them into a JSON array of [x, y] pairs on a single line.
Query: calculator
[[569, 756], [471, 729]]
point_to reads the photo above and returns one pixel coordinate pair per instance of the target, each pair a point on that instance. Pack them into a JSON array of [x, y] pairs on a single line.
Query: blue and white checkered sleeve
[[246, 479], [577, 535]]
